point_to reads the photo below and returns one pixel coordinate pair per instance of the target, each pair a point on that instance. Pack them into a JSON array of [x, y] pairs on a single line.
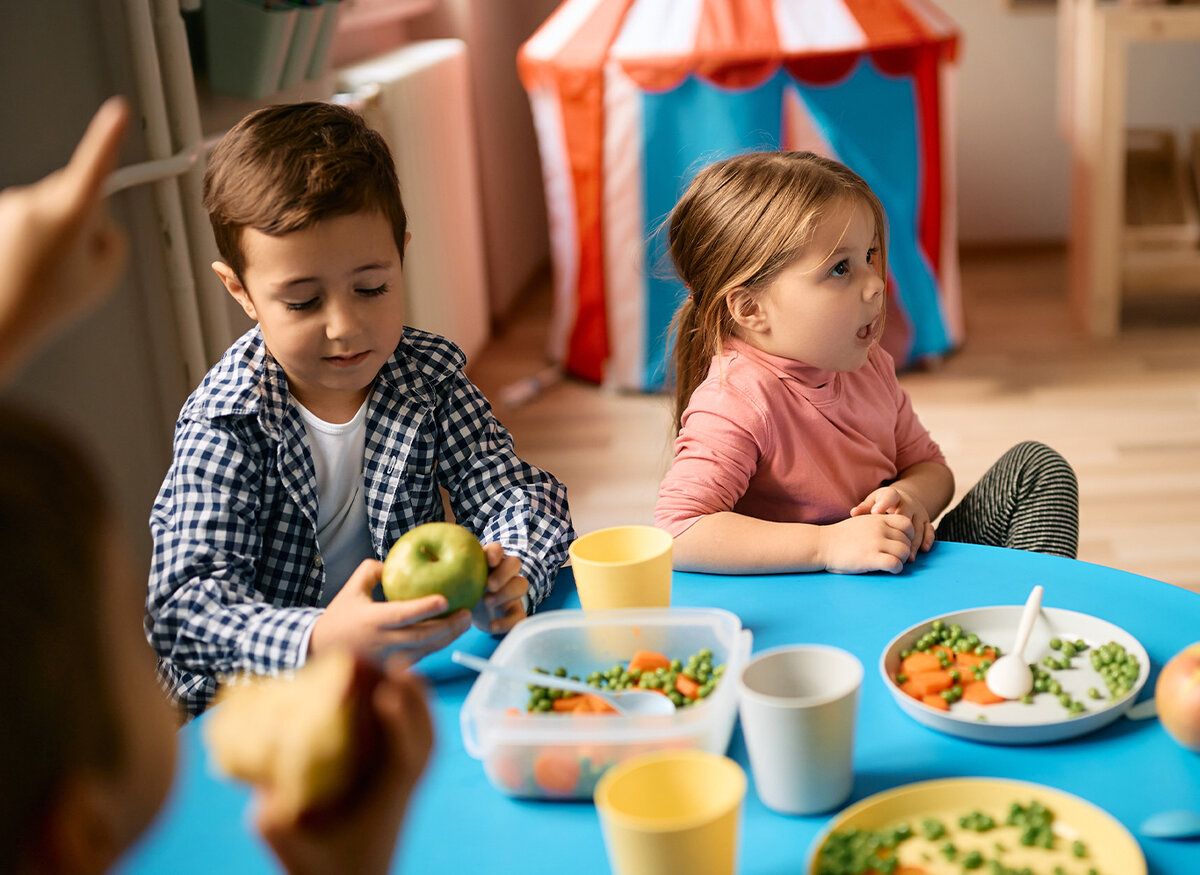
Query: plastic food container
[[561, 756]]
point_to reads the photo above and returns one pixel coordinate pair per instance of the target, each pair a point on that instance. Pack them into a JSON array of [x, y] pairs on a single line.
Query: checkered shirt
[[236, 573]]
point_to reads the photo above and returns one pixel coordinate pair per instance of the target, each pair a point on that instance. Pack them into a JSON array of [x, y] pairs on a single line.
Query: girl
[[797, 449]]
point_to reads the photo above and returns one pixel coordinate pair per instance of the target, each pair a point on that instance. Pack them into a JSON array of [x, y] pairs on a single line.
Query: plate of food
[[956, 825], [1087, 673]]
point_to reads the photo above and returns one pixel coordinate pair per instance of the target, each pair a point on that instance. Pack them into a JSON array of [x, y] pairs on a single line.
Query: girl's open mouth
[[868, 330]]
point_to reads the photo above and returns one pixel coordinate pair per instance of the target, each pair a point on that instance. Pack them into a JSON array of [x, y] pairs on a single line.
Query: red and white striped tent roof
[[591, 55]]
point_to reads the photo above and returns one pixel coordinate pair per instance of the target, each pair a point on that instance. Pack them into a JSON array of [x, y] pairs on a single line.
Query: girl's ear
[[746, 310], [234, 286]]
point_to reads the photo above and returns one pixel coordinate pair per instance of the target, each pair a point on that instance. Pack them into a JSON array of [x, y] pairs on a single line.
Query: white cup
[[798, 705]]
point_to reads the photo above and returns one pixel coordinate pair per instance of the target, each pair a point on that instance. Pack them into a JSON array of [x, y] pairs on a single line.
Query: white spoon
[[1176, 824], [629, 702], [1010, 675]]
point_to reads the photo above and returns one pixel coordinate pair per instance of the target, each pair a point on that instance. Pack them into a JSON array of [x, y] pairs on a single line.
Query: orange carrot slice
[[556, 773], [971, 660], [687, 687], [929, 682], [979, 693], [648, 660], [935, 701], [919, 662]]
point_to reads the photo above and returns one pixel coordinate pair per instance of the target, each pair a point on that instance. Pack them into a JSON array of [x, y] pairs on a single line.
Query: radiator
[[419, 98]]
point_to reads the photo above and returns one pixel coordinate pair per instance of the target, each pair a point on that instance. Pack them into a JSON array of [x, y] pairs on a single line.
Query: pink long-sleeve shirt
[[775, 439]]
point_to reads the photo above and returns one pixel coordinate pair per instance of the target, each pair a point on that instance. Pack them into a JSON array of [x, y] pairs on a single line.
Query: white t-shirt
[[343, 535]]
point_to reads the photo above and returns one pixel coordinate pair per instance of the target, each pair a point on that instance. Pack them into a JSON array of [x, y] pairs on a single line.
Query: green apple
[[436, 558]]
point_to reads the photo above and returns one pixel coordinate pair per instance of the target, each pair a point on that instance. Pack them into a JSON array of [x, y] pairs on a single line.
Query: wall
[[1013, 179], [101, 380], [514, 207]]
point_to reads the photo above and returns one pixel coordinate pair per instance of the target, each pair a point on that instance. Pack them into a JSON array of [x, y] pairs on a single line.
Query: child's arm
[[921, 493], [732, 543], [501, 498], [362, 834]]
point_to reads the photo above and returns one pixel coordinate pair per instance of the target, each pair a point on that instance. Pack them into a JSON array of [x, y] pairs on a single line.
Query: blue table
[[459, 823]]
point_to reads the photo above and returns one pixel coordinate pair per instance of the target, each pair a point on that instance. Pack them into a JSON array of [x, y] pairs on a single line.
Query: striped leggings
[[1028, 500]]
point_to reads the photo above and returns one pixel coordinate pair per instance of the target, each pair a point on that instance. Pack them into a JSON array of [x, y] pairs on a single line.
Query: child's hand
[[361, 834], [60, 250], [870, 542], [501, 608], [889, 499], [353, 619]]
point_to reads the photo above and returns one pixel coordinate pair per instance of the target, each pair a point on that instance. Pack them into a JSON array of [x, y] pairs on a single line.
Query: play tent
[[631, 98]]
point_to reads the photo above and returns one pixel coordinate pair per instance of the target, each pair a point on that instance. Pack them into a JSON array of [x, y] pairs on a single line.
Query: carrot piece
[[909, 688], [979, 693], [687, 686], [920, 661], [648, 660], [569, 703], [556, 773], [594, 705], [930, 682], [942, 648], [933, 700], [971, 660]]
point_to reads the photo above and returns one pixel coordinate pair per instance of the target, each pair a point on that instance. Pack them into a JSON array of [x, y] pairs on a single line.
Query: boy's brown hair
[[59, 717], [739, 223], [283, 168]]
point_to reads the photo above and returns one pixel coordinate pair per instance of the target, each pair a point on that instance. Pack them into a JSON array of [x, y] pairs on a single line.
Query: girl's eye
[[371, 293], [872, 254], [303, 305], [841, 268]]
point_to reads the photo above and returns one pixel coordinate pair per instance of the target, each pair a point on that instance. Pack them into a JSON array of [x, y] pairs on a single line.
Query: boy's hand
[[889, 499], [501, 607], [361, 834], [870, 542], [356, 620]]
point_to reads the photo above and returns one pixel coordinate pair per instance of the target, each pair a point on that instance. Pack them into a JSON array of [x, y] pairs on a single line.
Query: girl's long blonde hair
[[740, 222]]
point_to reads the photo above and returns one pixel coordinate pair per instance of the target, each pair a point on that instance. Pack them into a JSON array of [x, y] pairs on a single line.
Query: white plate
[[1015, 722]]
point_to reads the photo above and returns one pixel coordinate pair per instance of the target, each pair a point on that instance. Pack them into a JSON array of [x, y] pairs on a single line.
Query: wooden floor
[[1125, 413]]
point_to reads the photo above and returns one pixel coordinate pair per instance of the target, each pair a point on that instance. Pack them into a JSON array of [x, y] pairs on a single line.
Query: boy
[[326, 432]]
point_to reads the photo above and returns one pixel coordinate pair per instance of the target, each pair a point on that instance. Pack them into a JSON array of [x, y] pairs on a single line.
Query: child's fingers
[[504, 571], [400, 615], [96, 155], [513, 614], [494, 553], [368, 573]]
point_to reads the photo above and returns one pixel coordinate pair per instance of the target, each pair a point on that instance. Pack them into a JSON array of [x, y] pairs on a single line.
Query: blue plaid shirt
[[237, 573]]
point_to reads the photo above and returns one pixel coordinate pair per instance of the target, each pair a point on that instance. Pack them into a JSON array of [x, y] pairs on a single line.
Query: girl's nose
[[874, 287]]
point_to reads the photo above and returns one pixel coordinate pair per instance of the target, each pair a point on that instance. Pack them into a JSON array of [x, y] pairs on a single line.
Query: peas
[[1056, 644]]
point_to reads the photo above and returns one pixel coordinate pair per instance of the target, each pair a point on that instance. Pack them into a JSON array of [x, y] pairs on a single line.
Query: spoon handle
[[1033, 605], [517, 674]]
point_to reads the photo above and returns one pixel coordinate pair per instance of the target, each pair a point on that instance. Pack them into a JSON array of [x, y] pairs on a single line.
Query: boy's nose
[[340, 323]]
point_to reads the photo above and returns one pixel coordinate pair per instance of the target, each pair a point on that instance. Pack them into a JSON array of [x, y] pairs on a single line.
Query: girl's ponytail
[[692, 355]]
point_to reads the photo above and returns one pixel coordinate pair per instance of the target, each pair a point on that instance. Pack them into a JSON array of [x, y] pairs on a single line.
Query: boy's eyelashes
[[312, 302]]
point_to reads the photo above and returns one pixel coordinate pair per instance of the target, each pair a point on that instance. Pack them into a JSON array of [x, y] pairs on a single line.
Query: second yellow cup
[[623, 567], [672, 812]]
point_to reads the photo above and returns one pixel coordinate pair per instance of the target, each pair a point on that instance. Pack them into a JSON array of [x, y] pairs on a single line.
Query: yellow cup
[[672, 811], [623, 567]]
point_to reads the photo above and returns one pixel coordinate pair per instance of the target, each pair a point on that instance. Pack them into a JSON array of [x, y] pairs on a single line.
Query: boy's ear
[[80, 831], [234, 285], [746, 310]]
